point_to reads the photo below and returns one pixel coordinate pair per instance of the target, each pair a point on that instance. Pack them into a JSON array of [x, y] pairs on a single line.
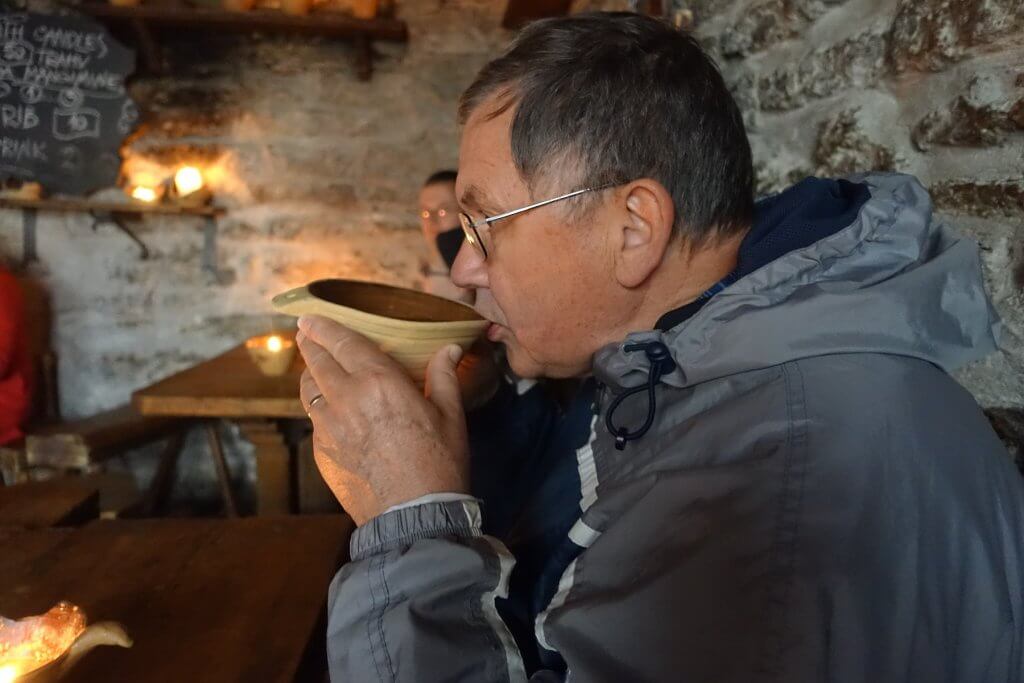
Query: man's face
[[439, 212], [547, 283]]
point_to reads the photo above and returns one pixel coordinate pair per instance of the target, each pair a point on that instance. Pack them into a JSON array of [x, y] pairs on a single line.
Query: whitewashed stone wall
[[320, 171]]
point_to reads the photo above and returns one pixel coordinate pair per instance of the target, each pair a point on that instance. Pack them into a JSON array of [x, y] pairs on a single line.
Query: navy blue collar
[[806, 213]]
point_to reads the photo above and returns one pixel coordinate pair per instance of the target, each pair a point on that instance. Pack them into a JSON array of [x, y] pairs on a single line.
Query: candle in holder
[[272, 354], [189, 187]]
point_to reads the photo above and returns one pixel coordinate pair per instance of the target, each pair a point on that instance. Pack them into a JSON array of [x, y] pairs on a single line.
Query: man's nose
[[469, 269]]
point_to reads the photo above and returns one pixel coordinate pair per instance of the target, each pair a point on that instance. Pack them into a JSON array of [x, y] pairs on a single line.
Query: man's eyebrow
[[475, 198]]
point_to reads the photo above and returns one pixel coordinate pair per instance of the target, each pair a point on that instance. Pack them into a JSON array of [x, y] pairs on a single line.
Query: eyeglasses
[[439, 213], [475, 229]]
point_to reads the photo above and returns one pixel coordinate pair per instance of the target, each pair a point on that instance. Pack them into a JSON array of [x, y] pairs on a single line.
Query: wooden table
[[203, 599], [231, 387], [57, 502]]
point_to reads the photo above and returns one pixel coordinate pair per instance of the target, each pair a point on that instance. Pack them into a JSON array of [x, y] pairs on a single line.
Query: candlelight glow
[[272, 353], [144, 194], [187, 180], [31, 643]]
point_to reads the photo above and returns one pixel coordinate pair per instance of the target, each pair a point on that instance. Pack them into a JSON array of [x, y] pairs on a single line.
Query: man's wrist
[[403, 526]]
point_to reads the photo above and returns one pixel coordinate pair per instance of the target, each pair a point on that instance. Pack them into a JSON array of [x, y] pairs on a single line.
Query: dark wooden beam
[[329, 24], [519, 12], [112, 207]]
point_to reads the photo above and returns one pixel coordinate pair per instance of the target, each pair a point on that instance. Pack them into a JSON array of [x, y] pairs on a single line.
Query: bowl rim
[[383, 324]]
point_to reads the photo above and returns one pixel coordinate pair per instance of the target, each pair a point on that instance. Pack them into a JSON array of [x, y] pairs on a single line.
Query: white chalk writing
[[68, 39], [18, 117], [63, 104], [16, 52], [55, 59], [87, 80], [129, 115], [10, 31], [72, 125], [14, 149]]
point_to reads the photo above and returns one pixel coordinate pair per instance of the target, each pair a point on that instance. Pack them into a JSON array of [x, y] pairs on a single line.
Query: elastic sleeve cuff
[[401, 527], [431, 498]]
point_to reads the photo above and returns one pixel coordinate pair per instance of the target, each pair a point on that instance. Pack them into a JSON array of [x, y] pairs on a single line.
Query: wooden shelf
[[329, 24], [145, 18], [110, 207], [115, 213]]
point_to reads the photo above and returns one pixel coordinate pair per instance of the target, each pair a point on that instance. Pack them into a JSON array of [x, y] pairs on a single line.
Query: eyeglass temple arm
[[513, 212]]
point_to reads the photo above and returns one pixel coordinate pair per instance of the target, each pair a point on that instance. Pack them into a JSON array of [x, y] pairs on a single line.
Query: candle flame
[[187, 180], [8, 673], [145, 194], [274, 344]]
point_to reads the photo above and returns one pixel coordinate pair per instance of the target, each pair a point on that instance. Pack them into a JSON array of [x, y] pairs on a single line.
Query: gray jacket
[[817, 500]]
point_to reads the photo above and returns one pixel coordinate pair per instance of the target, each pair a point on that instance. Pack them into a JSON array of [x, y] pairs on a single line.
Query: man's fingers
[[308, 390], [325, 373], [351, 350], [443, 384]]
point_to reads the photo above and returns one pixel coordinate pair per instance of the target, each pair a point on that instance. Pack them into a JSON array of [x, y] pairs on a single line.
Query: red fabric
[[15, 361]]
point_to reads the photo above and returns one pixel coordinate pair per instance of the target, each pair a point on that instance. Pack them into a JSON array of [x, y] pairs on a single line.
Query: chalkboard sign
[[64, 110]]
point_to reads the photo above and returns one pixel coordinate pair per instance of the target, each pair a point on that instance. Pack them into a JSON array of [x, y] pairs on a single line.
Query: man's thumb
[[443, 383]]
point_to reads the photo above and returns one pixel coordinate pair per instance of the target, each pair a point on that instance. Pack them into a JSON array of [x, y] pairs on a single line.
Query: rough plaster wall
[[319, 172], [929, 87]]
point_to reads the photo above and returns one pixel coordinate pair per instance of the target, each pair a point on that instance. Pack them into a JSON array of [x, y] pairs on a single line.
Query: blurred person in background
[[439, 221]]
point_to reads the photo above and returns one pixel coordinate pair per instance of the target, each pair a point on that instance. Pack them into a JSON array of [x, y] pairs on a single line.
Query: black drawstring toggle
[[661, 364]]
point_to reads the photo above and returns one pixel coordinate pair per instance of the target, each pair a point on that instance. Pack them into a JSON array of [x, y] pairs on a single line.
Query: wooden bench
[[39, 504], [81, 444]]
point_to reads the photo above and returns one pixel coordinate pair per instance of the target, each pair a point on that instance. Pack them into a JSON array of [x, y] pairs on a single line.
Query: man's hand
[[377, 440]]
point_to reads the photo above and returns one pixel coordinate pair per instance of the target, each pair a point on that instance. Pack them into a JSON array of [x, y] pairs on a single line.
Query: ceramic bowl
[[409, 326]]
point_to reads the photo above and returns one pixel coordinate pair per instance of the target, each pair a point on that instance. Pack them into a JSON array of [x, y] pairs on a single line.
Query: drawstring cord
[[661, 364]]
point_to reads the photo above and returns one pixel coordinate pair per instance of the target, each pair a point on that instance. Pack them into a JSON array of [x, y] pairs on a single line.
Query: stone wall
[[929, 87], [320, 171]]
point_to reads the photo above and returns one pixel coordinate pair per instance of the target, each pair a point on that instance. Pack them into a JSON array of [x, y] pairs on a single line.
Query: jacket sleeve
[[416, 602]]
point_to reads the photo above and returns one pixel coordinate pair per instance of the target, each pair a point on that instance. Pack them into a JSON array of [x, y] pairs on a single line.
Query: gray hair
[[624, 96]]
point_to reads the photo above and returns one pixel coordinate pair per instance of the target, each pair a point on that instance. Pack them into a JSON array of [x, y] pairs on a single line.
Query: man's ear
[[644, 230]]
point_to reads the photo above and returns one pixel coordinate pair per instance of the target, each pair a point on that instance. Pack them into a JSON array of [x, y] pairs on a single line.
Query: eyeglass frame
[[437, 213], [469, 226]]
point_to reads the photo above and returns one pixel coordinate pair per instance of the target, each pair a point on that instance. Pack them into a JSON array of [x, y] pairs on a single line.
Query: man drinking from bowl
[[782, 483]]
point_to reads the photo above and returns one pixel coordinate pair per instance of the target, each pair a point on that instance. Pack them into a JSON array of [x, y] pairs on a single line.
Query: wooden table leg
[[163, 480], [273, 467], [223, 477]]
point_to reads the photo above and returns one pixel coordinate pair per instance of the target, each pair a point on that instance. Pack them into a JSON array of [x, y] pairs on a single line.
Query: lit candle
[[272, 354], [187, 180], [8, 673], [143, 194], [189, 187]]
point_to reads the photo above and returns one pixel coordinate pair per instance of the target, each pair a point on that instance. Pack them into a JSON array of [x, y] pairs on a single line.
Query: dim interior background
[[319, 170]]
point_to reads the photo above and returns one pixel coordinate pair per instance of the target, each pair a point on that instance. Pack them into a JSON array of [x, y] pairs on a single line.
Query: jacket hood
[[891, 281]]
